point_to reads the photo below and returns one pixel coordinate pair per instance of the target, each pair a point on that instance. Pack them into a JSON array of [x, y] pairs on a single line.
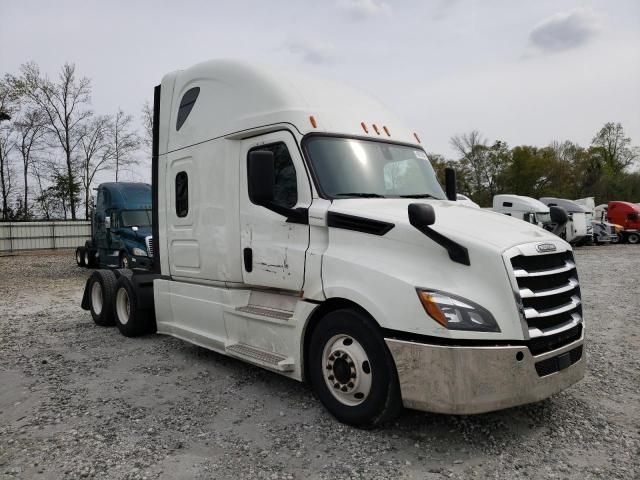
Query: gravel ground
[[78, 400]]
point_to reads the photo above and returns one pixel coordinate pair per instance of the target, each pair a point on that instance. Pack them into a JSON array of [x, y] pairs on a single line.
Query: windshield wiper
[[419, 195], [360, 194]]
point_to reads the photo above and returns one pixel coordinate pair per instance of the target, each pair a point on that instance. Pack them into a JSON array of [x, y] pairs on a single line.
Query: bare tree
[[64, 106], [147, 125], [96, 154], [31, 129], [7, 143], [124, 142], [472, 150]]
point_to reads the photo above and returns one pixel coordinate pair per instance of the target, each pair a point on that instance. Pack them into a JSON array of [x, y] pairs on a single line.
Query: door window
[[182, 194]]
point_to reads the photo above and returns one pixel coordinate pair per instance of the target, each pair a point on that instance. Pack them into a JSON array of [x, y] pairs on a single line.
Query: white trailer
[[300, 227]]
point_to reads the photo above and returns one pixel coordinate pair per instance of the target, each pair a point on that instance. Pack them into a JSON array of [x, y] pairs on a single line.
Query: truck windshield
[[137, 218], [543, 217], [347, 167]]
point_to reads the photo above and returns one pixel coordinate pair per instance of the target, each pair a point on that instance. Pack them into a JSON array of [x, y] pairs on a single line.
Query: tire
[[352, 371], [131, 320], [124, 261], [80, 256], [633, 238], [102, 288], [616, 239]]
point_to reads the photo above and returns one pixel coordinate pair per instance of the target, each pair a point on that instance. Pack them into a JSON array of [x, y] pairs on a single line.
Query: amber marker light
[[386, 130], [417, 137], [312, 119], [364, 127], [375, 127], [432, 308]]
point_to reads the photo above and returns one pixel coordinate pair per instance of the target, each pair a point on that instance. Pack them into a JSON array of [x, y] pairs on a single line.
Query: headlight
[[456, 313], [138, 252]]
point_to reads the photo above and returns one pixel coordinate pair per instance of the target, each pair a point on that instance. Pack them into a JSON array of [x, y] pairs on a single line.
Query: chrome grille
[[149, 242], [549, 292]]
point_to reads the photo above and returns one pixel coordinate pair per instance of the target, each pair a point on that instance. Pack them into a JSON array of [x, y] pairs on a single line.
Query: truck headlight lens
[[138, 252], [456, 313]]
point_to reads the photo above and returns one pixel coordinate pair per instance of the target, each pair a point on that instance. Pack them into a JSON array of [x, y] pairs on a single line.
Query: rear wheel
[[131, 320], [633, 238], [102, 286], [80, 256], [352, 371]]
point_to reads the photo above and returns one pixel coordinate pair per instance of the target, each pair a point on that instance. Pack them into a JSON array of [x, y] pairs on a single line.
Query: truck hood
[[461, 223], [139, 236]]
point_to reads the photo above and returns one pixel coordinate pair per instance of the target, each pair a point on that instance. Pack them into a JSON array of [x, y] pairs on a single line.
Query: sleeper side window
[[182, 194], [186, 104], [286, 186]]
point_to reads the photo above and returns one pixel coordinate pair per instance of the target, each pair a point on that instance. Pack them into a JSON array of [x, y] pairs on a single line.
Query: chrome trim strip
[[533, 313], [535, 332], [568, 265], [528, 293]]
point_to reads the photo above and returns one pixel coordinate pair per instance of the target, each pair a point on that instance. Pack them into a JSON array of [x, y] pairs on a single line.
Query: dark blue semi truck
[[120, 228]]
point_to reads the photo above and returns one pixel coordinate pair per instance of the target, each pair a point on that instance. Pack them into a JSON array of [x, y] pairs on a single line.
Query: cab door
[[273, 246]]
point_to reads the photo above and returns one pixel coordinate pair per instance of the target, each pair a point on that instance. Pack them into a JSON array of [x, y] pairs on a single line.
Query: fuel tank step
[[255, 355], [266, 312]]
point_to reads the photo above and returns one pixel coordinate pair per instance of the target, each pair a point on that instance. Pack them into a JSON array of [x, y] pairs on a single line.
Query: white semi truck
[[579, 229], [299, 226]]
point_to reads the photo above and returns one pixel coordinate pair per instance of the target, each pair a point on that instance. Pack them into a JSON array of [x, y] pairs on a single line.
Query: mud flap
[[86, 296]]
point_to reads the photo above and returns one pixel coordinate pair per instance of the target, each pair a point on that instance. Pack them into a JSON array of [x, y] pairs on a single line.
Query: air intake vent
[[358, 224]]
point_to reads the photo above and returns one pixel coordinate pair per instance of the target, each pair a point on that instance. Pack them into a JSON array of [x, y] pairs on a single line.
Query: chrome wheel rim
[[346, 370], [78, 257], [96, 298], [123, 306], [125, 262], [86, 258]]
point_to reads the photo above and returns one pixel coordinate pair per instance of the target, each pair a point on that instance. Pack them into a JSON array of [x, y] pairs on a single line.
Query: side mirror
[[261, 176], [558, 215], [450, 183], [107, 222], [421, 215]]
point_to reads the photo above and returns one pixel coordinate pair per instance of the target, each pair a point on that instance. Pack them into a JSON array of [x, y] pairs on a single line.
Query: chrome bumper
[[465, 380]]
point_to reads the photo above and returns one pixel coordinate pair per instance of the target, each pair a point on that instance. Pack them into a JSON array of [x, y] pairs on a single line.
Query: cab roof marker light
[[312, 119], [364, 127], [417, 137], [386, 130], [375, 127]]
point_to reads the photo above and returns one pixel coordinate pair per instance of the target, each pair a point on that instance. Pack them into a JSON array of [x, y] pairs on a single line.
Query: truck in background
[[120, 228], [299, 226], [531, 211], [578, 230], [603, 231], [627, 215]]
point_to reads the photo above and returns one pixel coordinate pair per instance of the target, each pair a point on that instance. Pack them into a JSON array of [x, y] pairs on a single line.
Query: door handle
[[248, 259]]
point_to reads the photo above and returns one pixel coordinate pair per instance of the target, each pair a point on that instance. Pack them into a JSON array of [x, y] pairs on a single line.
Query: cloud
[[363, 9], [565, 30], [317, 53]]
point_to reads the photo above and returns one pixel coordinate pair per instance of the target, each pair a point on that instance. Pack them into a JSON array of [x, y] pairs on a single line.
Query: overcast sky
[[527, 72]]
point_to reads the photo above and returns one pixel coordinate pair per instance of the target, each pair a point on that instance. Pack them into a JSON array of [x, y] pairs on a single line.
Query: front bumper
[[141, 262], [466, 380]]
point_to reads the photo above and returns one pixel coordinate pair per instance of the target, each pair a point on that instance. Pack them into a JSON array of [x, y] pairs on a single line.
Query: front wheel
[[633, 238], [124, 261], [80, 251], [352, 371]]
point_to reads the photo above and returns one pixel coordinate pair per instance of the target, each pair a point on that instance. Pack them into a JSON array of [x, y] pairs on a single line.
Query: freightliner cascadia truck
[[299, 226], [120, 227]]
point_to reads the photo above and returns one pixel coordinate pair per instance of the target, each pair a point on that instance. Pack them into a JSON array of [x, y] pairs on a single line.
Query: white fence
[[43, 235]]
